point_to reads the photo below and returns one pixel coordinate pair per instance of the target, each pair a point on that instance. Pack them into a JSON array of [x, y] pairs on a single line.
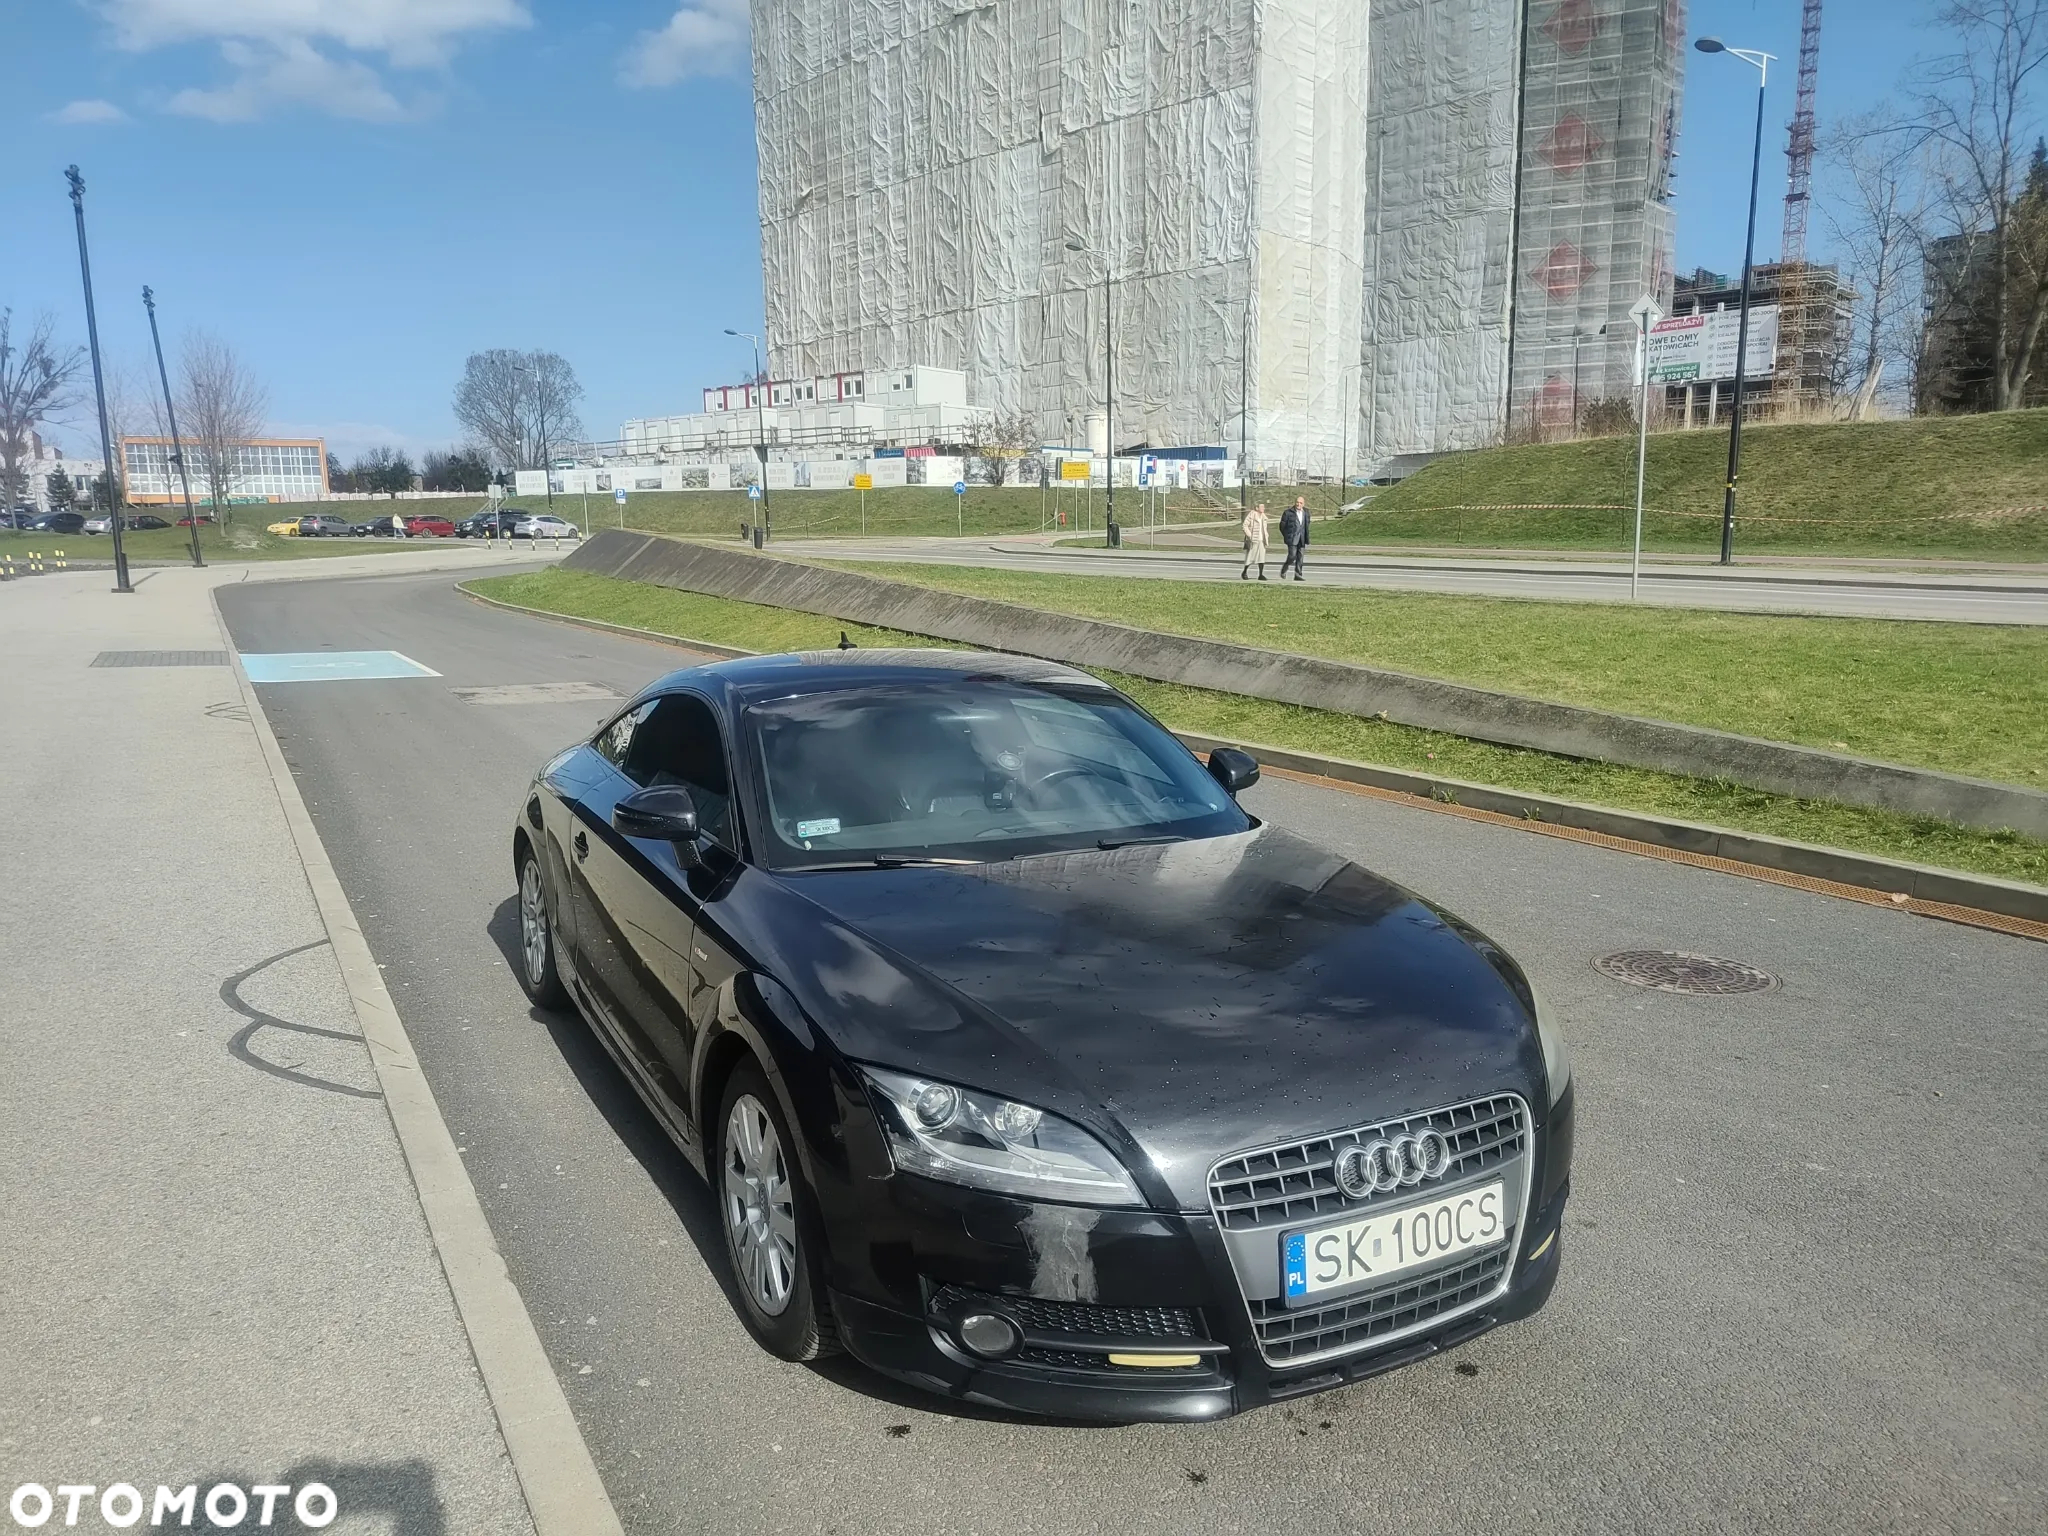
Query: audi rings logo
[[1380, 1166]]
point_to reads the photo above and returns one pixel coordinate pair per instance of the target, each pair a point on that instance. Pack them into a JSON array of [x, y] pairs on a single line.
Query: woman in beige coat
[[1255, 525]]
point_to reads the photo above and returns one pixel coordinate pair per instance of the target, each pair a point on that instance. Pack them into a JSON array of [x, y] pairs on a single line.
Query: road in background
[[1802, 1262], [1957, 597]]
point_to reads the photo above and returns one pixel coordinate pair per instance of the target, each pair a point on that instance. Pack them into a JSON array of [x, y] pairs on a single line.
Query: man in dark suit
[[1294, 534]]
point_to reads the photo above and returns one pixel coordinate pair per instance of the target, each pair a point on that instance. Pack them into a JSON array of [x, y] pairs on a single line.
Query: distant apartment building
[[265, 470], [837, 415], [43, 463]]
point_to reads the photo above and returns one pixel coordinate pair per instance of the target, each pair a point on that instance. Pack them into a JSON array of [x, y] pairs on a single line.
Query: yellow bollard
[[35, 560], [59, 557]]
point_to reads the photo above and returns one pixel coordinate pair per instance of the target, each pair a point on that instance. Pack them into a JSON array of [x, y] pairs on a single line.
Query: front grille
[[1075, 1318], [1308, 1332], [1296, 1182]]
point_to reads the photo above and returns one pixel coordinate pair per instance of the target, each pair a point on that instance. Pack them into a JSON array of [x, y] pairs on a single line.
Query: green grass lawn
[[1966, 698], [245, 541], [1937, 486], [1917, 839], [894, 512]]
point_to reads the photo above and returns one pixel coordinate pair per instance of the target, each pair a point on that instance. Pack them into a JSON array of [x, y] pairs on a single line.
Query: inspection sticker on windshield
[[821, 828], [1352, 1254]]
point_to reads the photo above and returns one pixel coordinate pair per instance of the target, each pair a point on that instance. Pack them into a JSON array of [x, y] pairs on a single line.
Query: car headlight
[[964, 1137]]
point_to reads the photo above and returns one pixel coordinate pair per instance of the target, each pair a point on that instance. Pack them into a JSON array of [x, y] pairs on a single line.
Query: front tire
[[769, 1219], [537, 970]]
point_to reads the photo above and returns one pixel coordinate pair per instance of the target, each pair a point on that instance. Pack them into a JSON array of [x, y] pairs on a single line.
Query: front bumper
[[1081, 1286]]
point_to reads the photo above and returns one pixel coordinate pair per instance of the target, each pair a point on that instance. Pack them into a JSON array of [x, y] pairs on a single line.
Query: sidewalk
[[216, 1264]]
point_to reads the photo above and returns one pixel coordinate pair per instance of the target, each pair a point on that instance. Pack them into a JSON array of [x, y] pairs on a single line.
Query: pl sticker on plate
[[824, 827]]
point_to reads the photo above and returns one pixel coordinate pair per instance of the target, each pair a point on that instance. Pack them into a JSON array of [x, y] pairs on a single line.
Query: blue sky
[[358, 193]]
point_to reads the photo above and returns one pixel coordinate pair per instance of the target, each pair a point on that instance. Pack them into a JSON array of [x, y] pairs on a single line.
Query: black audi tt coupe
[[1022, 1062]]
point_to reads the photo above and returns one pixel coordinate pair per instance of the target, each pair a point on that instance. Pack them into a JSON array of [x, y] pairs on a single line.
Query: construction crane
[[1799, 151], [1798, 313]]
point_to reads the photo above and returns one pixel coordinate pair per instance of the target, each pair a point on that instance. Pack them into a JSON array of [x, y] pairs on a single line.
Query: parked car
[[100, 524], [545, 526], [1020, 1059], [379, 528], [323, 525], [145, 521], [288, 529], [57, 522], [492, 525], [202, 518], [431, 527]]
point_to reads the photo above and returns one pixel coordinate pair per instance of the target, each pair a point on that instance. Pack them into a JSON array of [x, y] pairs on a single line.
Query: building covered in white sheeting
[[1336, 230]]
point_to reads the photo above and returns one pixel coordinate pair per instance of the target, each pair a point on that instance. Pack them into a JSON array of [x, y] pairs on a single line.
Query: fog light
[[988, 1334]]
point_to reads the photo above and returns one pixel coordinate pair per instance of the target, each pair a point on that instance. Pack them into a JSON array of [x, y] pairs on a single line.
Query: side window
[[616, 739], [676, 741]]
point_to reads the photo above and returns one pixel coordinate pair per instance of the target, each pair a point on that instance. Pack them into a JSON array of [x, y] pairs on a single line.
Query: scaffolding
[[1594, 226]]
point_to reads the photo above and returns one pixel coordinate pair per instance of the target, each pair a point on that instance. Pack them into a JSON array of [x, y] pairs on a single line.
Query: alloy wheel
[[533, 923], [760, 1206]]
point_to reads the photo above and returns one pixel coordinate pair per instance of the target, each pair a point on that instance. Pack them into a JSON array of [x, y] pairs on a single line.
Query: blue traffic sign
[[959, 487], [619, 495], [753, 493]]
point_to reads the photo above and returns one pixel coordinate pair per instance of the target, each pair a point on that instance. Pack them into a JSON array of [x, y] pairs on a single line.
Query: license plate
[[1351, 1255]]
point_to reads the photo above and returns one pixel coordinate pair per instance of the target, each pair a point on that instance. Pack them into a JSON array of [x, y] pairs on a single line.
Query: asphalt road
[[1968, 598], [1802, 1269]]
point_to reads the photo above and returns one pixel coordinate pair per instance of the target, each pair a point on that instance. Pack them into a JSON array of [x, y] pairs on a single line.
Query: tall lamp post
[[1762, 61], [171, 414], [1112, 537], [99, 385], [547, 461], [761, 423]]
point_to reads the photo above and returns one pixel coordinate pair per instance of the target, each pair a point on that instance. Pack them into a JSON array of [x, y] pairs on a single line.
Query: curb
[[557, 1475], [1983, 901]]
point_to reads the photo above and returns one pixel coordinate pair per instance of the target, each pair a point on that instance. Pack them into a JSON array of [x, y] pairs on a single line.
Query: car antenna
[[846, 644]]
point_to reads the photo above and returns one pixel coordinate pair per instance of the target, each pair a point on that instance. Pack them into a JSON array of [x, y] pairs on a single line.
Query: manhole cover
[[1689, 975]]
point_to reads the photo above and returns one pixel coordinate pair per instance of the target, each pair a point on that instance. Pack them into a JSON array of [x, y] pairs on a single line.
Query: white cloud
[[411, 33], [704, 37], [74, 113], [298, 52]]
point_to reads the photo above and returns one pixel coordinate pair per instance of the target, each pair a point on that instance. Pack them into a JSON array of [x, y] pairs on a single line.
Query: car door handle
[[582, 845]]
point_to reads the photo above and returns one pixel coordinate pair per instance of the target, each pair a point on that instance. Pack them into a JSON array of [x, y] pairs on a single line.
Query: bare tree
[[518, 405], [1875, 205], [1977, 110], [1001, 444], [38, 381], [220, 407]]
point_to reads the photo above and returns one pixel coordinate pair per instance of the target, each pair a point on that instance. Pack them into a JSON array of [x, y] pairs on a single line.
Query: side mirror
[[1233, 769], [662, 814]]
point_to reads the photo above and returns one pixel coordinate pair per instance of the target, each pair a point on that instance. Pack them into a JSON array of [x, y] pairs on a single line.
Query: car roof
[[747, 678]]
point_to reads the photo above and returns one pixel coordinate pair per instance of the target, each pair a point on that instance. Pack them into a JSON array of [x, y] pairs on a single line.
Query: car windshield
[[976, 769]]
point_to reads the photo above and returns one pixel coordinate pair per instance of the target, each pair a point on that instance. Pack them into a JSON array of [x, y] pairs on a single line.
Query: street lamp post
[[171, 414], [540, 404], [1109, 531], [761, 425], [1244, 402], [1762, 61], [99, 385]]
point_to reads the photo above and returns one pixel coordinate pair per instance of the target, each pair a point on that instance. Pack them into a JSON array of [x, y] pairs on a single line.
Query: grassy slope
[[1919, 840], [1966, 698], [1874, 487]]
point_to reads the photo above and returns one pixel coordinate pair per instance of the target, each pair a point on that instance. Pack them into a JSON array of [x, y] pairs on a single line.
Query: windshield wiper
[[892, 861], [1107, 843]]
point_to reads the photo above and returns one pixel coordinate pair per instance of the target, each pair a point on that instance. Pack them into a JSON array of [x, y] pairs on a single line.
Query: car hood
[[1187, 1000]]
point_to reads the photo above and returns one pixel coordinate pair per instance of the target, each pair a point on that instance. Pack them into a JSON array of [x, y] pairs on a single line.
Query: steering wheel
[[1057, 775]]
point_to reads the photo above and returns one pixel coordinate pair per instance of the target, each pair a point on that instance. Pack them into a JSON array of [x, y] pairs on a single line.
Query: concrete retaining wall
[[1504, 718]]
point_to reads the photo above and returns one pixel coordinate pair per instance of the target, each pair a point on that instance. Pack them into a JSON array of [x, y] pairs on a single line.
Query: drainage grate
[[161, 659], [1688, 975]]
